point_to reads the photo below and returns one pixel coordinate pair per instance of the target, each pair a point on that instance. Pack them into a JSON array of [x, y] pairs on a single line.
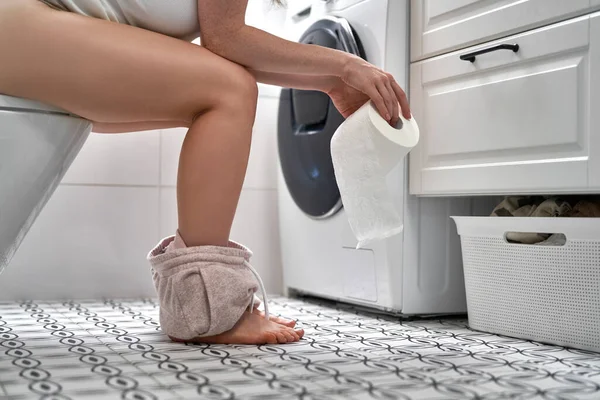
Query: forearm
[[224, 32], [294, 81], [261, 51]]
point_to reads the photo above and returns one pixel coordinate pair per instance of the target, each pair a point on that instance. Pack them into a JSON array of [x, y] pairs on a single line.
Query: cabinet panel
[[439, 26], [508, 122], [594, 166]]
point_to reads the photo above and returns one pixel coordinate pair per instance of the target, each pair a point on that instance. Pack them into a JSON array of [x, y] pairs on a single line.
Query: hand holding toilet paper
[[364, 149]]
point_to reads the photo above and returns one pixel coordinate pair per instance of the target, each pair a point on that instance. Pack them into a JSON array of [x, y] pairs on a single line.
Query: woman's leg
[[112, 73], [119, 75]]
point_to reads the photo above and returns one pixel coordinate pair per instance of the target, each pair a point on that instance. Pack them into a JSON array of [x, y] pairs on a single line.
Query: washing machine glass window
[[307, 121]]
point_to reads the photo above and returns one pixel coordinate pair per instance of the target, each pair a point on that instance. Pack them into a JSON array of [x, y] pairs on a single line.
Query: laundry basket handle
[[572, 228]]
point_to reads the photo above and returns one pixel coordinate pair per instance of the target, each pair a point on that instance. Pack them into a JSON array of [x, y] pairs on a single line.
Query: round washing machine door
[[307, 121]]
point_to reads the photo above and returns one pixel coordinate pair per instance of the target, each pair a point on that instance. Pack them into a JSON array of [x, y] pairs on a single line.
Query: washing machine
[[418, 272]]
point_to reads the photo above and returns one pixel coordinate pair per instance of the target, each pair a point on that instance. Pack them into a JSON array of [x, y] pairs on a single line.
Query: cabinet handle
[[471, 56]]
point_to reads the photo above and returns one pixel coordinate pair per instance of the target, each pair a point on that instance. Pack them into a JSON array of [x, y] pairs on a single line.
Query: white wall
[[118, 199]]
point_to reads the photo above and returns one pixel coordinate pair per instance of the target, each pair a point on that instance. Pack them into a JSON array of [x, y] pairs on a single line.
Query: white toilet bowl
[[37, 145]]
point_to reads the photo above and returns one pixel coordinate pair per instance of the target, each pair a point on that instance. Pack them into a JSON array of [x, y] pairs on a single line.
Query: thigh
[[104, 71]]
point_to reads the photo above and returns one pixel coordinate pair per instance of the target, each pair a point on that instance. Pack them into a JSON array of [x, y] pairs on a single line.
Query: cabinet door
[[507, 122], [595, 101], [438, 26]]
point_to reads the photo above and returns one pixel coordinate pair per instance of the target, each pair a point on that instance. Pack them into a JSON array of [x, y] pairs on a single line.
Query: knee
[[239, 92], [229, 88]]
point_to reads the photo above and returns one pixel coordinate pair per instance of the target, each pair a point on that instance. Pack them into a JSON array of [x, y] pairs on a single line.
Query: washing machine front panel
[[318, 254], [307, 121]]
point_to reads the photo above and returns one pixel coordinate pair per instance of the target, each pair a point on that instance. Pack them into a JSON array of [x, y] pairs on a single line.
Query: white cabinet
[[524, 122], [439, 26], [595, 100]]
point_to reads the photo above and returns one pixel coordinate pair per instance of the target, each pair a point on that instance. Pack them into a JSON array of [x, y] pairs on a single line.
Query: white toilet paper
[[364, 149]]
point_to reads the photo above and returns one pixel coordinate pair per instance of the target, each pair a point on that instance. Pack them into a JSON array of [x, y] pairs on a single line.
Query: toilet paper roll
[[364, 149]]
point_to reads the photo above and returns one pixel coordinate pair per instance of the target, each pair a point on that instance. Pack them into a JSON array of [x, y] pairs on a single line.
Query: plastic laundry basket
[[548, 294]]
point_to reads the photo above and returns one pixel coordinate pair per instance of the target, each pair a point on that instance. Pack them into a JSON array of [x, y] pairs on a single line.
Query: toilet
[[38, 143]]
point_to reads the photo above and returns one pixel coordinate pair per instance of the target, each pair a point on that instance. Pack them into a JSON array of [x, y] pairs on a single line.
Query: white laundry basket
[[548, 294]]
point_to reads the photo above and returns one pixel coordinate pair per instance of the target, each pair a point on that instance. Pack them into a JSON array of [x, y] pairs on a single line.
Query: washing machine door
[[307, 121]]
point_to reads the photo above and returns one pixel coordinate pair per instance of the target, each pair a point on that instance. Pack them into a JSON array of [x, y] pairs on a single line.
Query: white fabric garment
[[178, 18]]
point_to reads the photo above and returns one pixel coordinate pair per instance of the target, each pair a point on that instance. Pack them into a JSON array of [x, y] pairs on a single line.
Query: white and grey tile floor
[[112, 349]]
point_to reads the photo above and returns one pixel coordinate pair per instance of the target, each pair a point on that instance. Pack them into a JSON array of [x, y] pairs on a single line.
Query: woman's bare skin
[[253, 328]]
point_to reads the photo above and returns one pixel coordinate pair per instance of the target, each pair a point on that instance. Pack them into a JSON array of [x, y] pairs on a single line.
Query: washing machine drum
[[307, 121]]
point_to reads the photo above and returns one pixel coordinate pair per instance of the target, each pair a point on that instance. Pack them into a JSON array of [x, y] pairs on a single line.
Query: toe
[[282, 321], [281, 338], [271, 338], [295, 335], [299, 332], [290, 323], [289, 336]]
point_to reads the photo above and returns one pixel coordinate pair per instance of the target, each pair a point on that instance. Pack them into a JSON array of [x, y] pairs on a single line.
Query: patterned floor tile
[[114, 349]]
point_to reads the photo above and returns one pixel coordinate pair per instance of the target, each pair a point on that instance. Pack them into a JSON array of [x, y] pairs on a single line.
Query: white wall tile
[[265, 90], [255, 226], [125, 159], [89, 242]]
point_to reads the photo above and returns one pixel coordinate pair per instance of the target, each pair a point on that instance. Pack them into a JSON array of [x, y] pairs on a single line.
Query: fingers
[[388, 98], [402, 99], [395, 106], [379, 102], [382, 89]]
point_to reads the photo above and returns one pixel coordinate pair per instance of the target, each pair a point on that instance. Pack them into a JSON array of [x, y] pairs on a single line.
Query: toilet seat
[[11, 103], [38, 143]]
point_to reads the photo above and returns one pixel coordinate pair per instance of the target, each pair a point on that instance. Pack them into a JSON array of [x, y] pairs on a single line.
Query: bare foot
[[290, 323], [252, 329]]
